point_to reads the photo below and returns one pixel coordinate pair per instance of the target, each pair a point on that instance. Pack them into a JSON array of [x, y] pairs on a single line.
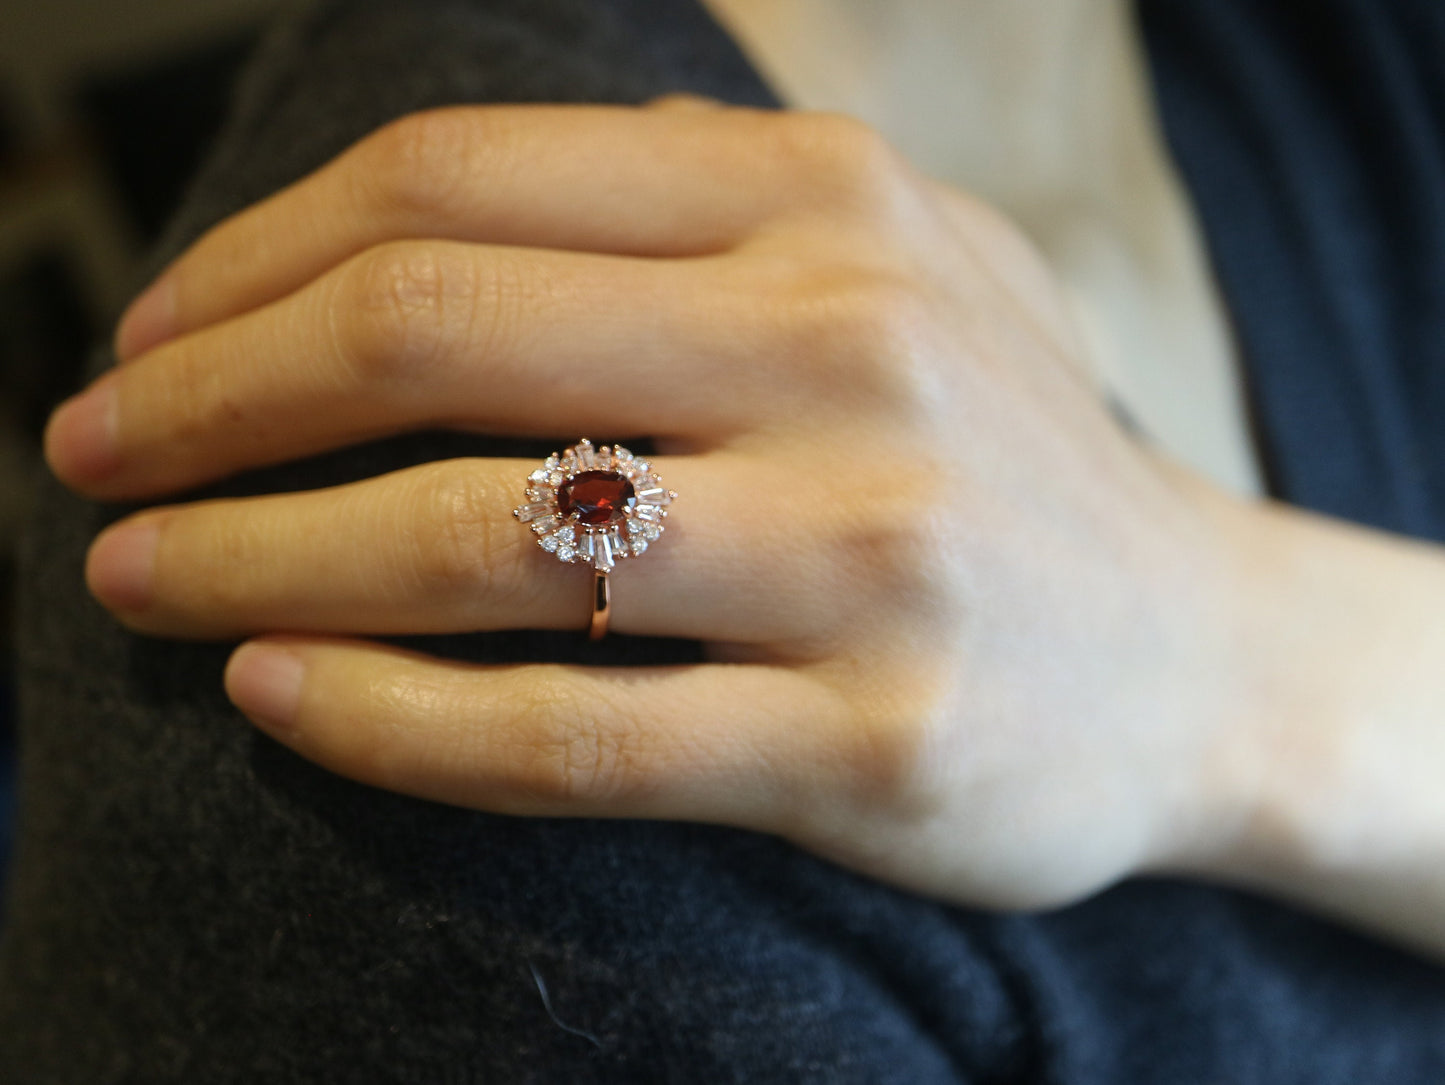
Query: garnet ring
[[597, 506]]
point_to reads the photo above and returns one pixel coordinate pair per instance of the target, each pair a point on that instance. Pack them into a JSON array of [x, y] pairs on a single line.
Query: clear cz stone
[[528, 513], [602, 558], [618, 541]]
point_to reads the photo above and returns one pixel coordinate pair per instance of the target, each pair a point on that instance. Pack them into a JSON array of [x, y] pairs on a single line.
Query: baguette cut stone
[[596, 497]]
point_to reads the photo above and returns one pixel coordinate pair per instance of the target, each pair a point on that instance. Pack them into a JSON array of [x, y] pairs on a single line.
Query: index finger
[[607, 179]]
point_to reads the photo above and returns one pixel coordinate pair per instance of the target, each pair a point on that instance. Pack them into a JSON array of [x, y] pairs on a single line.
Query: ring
[[597, 506]]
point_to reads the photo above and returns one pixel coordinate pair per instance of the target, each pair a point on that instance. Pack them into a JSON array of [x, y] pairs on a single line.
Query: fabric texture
[[193, 903], [1313, 138]]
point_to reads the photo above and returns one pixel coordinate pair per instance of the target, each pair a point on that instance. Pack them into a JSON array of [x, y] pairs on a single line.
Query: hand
[[965, 635]]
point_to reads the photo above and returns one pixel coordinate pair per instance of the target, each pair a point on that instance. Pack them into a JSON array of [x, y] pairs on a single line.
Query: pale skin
[[965, 635]]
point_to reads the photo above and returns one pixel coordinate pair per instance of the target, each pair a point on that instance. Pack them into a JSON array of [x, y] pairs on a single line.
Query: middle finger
[[414, 335]]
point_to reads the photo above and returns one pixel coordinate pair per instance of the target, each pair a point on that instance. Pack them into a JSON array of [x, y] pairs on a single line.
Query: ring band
[[598, 506], [601, 605]]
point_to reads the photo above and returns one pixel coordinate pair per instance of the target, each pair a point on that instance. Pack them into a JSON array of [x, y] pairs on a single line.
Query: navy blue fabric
[[193, 903], [1313, 137]]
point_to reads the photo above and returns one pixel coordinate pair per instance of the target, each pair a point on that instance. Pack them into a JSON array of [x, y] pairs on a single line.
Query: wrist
[[1324, 783]]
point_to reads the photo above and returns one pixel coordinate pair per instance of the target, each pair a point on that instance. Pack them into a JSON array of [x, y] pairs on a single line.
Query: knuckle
[[196, 400], [417, 166], [879, 311], [506, 298], [902, 549], [822, 139], [216, 572], [577, 749], [912, 554], [845, 161], [882, 768], [883, 755], [459, 548], [867, 334], [894, 561], [400, 306], [213, 590]]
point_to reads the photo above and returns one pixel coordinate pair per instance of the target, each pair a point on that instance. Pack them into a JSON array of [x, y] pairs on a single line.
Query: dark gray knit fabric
[[193, 903]]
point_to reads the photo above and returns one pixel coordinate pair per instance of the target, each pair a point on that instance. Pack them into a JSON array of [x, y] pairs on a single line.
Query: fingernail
[[264, 682], [120, 569], [148, 321], [81, 438]]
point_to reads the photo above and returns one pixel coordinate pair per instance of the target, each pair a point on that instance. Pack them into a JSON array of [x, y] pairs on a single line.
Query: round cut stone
[[596, 497]]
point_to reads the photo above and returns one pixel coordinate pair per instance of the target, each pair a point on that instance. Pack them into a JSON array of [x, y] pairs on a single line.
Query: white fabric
[[1042, 107]]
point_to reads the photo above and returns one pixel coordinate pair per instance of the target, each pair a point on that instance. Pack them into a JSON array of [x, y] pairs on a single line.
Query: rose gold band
[[601, 605]]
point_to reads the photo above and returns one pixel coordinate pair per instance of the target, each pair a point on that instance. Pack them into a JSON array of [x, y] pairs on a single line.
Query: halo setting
[[595, 505]]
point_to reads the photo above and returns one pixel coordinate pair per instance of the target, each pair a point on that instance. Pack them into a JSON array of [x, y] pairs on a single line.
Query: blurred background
[[106, 107]]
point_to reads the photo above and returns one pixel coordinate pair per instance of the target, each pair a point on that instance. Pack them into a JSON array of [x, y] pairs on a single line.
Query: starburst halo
[[595, 505]]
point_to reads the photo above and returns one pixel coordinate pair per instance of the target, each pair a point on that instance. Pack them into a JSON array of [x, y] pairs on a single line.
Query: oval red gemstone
[[596, 497]]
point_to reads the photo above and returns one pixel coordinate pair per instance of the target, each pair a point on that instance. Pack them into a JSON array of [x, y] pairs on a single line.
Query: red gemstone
[[596, 497]]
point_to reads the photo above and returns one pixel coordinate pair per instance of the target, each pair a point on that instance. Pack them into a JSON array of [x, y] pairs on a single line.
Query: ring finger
[[435, 549]]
